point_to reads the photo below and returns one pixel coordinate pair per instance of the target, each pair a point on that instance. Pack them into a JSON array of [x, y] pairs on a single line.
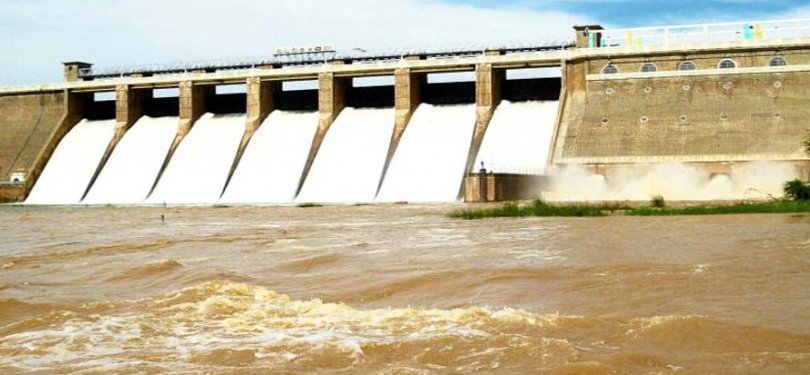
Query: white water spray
[[430, 161], [74, 162], [199, 167], [273, 162], [673, 181], [518, 138], [135, 163], [350, 161]]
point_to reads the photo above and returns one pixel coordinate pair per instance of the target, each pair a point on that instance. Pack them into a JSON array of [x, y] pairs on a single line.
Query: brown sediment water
[[399, 290]]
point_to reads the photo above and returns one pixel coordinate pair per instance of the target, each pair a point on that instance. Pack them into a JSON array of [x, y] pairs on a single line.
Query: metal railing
[[702, 34], [363, 56]]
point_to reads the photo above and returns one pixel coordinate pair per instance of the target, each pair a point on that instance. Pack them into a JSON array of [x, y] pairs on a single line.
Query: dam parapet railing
[[687, 36]]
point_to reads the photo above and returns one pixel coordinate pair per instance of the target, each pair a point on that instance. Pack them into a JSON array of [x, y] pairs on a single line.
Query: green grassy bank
[[541, 209]]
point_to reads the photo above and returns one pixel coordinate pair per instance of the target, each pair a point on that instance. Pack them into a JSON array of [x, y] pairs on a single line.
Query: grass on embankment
[[772, 207], [536, 208], [539, 208]]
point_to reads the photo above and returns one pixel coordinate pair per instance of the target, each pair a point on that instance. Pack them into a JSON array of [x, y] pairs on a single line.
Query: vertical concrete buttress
[[129, 107], [407, 97], [553, 152], [331, 100], [192, 100], [260, 102], [573, 91], [488, 83]]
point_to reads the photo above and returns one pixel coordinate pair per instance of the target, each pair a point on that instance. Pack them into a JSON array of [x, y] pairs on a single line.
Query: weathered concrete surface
[[27, 122], [708, 115], [12, 193], [331, 101], [488, 82], [481, 188]]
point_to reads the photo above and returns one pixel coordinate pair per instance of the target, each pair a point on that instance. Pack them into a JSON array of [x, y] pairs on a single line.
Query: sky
[[37, 35]]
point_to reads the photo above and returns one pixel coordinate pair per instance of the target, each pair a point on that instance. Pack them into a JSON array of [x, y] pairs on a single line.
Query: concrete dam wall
[[364, 144], [714, 112]]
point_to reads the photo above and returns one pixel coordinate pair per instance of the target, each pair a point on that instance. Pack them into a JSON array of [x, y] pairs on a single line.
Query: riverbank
[[539, 208]]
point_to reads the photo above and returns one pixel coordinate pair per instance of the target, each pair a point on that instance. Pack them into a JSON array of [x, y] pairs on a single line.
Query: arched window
[[687, 65], [610, 69], [726, 64], [778, 61], [648, 68]]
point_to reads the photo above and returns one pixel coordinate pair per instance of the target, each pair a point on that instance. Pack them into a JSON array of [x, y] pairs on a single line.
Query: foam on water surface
[[271, 167], [135, 163], [199, 168], [74, 162]]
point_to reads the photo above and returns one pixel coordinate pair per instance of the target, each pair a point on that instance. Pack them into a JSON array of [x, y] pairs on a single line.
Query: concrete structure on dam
[[713, 96]]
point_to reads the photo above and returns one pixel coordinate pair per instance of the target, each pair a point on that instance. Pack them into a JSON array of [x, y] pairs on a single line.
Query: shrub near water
[[797, 190]]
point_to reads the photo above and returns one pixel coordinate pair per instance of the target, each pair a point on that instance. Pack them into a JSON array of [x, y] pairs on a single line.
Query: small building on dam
[[688, 112]]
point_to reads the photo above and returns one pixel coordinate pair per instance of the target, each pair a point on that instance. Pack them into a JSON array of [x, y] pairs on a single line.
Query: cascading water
[[429, 163], [518, 138], [135, 163], [73, 164], [271, 166], [199, 167], [350, 160]]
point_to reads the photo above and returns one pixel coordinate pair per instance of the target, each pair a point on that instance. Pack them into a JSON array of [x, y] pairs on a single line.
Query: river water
[[399, 290]]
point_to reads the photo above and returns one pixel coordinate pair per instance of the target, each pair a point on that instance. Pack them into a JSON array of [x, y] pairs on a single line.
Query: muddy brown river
[[399, 290]]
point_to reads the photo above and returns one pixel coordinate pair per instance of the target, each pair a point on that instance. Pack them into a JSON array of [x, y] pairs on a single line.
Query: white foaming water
[[271, 166], [430, 161], [135, 163], [200, 165], [518, 138], [673, 181], [72, 165], [351, 158]]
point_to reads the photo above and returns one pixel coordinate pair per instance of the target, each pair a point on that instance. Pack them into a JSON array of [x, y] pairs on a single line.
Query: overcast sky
[[37, 35]]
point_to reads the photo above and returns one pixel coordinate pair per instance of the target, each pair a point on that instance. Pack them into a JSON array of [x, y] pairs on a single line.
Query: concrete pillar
[[74, 108], [407, 97], [572, 98], [331, 100], [488, 82], [193, 100], [129, 105], [260, 102], [71, 70]]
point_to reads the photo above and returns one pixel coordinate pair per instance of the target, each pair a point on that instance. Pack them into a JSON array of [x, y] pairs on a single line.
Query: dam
[[717, 106]]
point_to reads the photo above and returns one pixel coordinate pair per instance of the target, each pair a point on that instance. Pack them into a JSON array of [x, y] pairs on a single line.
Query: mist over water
[[135, 162], [274, 160], [350, 161], [199, 167], [430, 161], [673, 181], [71, 167], [518, 138]]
